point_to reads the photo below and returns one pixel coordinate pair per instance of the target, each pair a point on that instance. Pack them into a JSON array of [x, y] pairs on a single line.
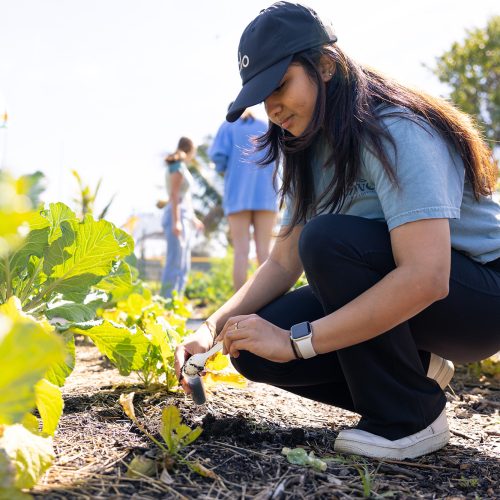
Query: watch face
[[300, 330]]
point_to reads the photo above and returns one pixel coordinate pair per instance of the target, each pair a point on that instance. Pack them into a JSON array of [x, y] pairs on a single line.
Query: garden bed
[[244, 433]]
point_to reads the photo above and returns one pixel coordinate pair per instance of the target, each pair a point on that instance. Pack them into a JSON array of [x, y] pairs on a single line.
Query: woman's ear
[[326, 68]]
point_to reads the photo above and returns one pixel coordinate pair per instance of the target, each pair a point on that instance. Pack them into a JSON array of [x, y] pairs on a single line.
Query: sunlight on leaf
[[232, 379], [49, 402], [30, 454], [217, 363]]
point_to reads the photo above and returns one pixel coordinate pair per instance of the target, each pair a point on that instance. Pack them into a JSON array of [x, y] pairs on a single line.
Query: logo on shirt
[[361, 188]]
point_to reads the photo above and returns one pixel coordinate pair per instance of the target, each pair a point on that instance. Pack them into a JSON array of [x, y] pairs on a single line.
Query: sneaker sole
[[423, 447], [441, 370]]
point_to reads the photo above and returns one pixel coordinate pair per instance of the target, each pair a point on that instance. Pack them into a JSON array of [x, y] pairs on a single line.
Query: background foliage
[[472, 69]]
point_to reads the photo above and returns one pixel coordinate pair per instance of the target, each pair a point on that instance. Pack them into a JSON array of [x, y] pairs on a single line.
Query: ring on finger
[[236, 325]]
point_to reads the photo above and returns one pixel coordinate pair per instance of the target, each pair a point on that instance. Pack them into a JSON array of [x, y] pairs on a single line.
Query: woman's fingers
[[232, 338], [179, 360], [236, 323]]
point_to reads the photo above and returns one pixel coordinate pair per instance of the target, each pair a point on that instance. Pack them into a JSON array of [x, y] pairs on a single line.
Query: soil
[[244, 431]]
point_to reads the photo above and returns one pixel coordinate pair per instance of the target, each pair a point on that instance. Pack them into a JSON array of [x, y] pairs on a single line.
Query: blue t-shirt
[[431, 185], [247, 185]]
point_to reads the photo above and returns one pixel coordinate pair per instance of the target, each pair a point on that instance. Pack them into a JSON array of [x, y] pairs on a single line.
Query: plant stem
[[27, 287], [155, 441], [38, 299]]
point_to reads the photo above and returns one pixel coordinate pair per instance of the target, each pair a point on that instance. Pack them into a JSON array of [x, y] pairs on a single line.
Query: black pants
[[382, 379]]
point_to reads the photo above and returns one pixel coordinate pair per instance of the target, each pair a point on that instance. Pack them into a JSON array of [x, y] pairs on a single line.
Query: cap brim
[[258, 88]]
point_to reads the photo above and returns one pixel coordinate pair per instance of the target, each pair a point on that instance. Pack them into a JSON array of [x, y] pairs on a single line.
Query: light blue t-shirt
[[247, 185], [431, 185]]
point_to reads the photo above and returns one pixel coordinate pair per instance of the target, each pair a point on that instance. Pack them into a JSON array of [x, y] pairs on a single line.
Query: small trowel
[[192, 370]]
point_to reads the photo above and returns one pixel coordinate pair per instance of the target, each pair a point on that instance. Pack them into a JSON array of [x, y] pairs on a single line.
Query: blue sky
[[106, 87]]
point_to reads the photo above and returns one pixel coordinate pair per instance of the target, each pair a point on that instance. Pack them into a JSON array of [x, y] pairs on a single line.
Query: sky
[[107, 87]]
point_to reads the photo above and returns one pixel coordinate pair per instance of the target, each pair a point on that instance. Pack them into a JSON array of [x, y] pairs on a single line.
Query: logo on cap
[[243, 62]]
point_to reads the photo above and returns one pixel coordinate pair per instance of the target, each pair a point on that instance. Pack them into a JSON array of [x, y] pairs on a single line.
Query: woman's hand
[[177, 228], [198, 342], [258, 336]]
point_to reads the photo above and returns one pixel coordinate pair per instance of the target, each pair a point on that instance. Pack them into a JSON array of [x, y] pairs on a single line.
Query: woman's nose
[[272, 107]]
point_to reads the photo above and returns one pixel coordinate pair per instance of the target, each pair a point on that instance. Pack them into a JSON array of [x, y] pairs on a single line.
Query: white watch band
[[304, 345]]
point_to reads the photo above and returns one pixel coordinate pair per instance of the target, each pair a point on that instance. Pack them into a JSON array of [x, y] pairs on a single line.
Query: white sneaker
[[358, 442], [441, 370]]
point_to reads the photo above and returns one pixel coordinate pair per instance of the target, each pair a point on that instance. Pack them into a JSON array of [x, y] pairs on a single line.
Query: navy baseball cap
[[267, 47]]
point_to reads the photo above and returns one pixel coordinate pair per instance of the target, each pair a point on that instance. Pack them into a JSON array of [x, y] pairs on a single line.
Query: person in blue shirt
[[390, 212], [250, 197], [179, 218]]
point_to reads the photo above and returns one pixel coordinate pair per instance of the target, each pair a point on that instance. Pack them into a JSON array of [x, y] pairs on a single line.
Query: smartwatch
[[301, 337]]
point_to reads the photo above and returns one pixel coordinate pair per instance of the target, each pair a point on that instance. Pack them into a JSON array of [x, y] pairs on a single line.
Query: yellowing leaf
[[26, 353], [30, 455], [134, 305], [170, 421], [50, 405], [141, 466], [125, 347], [30, 422], [192, 436], [217, 363], [13, 310], [116, 315], [232, 379], [127, 402]]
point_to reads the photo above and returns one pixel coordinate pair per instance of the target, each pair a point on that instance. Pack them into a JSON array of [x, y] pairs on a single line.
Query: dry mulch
[[244, 433]]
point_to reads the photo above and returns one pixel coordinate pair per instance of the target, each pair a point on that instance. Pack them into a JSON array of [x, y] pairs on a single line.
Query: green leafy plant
[[30, 354], [60, 275], [61, 258], [176, 436], [466, 483], [159, 325]]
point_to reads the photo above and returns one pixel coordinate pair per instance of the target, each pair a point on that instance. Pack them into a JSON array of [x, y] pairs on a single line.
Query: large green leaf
[[60, 249], [124, 347], [30, 455], [26, 353], [118, 283], [49, 403], [124, 240], [82, 256], [94, 250], [59, 372], [56, 215], [74, 313]]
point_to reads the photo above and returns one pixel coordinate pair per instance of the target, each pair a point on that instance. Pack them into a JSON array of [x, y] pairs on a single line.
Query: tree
[[471, 69]]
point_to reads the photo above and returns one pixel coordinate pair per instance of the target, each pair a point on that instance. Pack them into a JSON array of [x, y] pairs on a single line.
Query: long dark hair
[[184, 147], [346, 117]]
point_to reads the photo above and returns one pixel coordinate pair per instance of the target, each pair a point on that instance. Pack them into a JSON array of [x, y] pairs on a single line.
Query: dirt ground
[[244, 433]]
